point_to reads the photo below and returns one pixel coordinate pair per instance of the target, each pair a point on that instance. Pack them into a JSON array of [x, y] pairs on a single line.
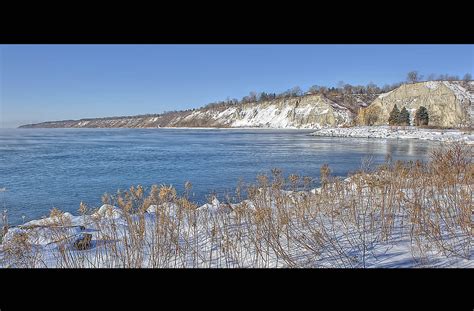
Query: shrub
[[372, 115]]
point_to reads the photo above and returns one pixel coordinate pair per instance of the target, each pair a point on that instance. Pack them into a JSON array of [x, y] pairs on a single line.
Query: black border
[[329, 289], [286, 24], [379, 289], [143, 37], [326, 22]]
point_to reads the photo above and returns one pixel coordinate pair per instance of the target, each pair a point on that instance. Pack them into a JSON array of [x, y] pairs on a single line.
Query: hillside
[[309, 111], [449, 104]]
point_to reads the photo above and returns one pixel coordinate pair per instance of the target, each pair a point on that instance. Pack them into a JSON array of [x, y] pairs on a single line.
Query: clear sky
[[57, 82]]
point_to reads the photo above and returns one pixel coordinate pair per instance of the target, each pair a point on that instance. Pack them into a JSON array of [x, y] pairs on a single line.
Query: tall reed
[[280, 222]]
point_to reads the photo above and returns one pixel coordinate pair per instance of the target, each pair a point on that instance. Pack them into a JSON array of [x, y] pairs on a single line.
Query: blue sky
[[56, 82]]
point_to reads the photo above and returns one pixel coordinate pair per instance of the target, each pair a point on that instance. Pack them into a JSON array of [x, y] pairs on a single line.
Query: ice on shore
[[408, 132]]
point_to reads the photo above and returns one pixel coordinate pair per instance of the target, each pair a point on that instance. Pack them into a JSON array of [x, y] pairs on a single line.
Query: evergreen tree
[[404, 117], [421, 116], [394, 115]]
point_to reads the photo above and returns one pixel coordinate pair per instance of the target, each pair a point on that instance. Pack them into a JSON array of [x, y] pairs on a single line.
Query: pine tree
[[394, 115], [421, 116], [404, 117]]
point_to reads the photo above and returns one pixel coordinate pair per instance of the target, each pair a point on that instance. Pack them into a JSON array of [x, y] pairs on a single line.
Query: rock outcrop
[[449, 103], [312, 111], [309, 111]]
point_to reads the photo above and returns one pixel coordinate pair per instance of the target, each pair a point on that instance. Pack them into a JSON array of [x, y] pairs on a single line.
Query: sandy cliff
[[449, 103], [310, 111]]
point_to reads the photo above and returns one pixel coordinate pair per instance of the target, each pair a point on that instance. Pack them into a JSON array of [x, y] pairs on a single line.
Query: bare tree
[[323, 89], [442, 77], [395, 85], [467, 77], [359, 89], [253, 96], [386, 88], [447, 77], [372, 88], [340, 85], [296, 91], [348, 89], [413, 76], [432, 77], [314, 89]]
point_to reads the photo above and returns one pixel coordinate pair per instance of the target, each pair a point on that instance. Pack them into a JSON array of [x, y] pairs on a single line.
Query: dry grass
[[280, 223]]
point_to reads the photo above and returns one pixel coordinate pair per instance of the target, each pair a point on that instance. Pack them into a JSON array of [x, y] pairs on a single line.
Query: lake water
[[46, 168]]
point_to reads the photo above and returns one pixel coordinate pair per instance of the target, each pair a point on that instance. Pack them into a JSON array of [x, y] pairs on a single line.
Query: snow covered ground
[[221, 235], [401, 133]]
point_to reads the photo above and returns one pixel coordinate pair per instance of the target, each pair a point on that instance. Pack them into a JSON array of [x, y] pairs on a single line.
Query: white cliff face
[[306, 112], [311, 111], [449, 104]]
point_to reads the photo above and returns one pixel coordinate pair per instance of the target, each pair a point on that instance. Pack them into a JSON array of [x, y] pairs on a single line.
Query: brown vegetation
[[282, 223]]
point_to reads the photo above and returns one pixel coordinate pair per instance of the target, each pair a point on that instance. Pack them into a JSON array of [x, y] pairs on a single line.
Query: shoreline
[[386, 132], [382, 131], [166, 128]]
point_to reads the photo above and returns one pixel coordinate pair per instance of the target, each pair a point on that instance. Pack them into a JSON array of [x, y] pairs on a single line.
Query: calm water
[[46, 168]]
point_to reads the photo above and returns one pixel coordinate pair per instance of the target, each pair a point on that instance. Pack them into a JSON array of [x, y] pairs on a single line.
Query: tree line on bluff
[[341, 92], [342, 89]]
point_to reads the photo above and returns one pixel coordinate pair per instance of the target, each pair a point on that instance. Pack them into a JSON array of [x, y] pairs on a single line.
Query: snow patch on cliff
[[432, 85], [460, 92]]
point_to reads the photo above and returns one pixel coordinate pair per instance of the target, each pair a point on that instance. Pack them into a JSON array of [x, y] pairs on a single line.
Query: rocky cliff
[[449, 103], [309, 111]]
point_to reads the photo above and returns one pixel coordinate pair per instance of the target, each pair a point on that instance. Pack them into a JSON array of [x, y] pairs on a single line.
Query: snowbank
[[110, 228], [398, 133]]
